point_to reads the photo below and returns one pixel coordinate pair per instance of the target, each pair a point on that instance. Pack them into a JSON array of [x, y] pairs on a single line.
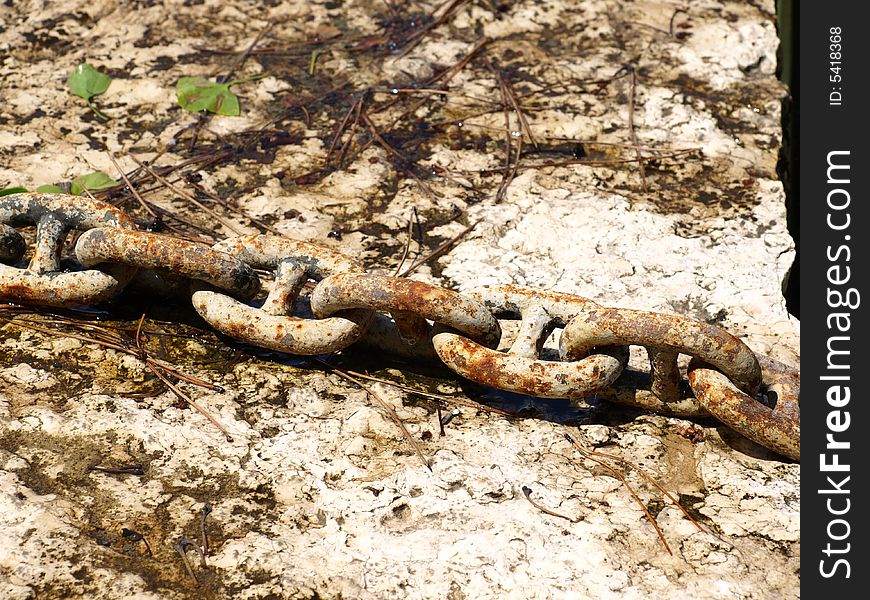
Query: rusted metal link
[[724, 374], [272, 326], [776, 428], [147, 250], [12, 245], [43, 281], [664, 337], [410, 303], [520, 369]]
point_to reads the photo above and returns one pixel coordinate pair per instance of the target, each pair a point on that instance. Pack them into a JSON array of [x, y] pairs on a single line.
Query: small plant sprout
[[86, 82], [198, 94], [50, 188], [91, 181]]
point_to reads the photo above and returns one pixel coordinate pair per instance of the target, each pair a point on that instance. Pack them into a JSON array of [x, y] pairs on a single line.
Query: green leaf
[[12, 190], [50, 189], [86, 82], [197, 94], [91, 181]]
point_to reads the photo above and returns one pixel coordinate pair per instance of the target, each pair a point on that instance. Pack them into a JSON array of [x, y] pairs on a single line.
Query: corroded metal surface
[[272, 326], [409, 302], [520, 369], [664, 336], [538, 378], [464, 331], [43, 281], [12, 245], [154, 251], [776, 428]]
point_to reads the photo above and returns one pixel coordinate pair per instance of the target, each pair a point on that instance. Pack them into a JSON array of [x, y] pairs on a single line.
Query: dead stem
[[656, 153], [229, 225], [405, 161], [582, 162], [650, 479], [407, 246], [385, 407], [162, 377], [631, 129], [451, 8], [181, 548], [354, 108], [450, 73], [243, 56], [229, 206], [510, 163], [527, 492], [206, 511], [439, 397], [131, 187], [112, 340], [188, 400], [441, 249], [627, 485]]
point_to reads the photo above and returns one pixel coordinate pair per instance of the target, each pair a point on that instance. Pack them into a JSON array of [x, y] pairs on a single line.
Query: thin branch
[[527, 492], [632, 131], [229, 225], [131, 187], [385, 407], [624, 481], [439, 397], [407, 247], [418, 36], [441, 249]]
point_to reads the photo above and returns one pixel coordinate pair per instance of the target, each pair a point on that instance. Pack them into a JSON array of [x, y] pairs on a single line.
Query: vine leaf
[[198, 94], [86, 82], [50, 188], [91, 181]]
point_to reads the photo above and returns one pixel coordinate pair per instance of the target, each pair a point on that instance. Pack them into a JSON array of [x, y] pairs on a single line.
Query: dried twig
[[112, 340], [589, 163], [392, 150], [417, 36], [446, 76], [243, 56], [527, 492], [650, 479], [586, 454], [441, 249], [206, 511], [439, 397], [407, 246], [131, 187], [385, 407], [189, 197], [181, 548], [342, 126], [632, 131]]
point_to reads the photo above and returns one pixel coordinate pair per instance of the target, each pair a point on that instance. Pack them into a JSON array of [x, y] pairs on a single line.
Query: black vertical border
[[825, 128]]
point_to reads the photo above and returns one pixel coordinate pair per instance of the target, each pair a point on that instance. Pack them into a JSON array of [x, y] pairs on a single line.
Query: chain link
[[41, 280], [410, 303], [141, 249], [723, 377], [664, 337], [776, 428], [520, 370], [272, 325]]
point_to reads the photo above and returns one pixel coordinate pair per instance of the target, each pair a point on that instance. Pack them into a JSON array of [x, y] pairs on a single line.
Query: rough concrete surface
[[318, 495]]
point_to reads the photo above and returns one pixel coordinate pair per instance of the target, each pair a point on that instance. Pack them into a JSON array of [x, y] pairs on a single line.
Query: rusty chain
[[724, 379]]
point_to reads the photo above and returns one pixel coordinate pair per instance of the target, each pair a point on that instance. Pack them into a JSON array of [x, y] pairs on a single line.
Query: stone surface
[[318, 494]]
